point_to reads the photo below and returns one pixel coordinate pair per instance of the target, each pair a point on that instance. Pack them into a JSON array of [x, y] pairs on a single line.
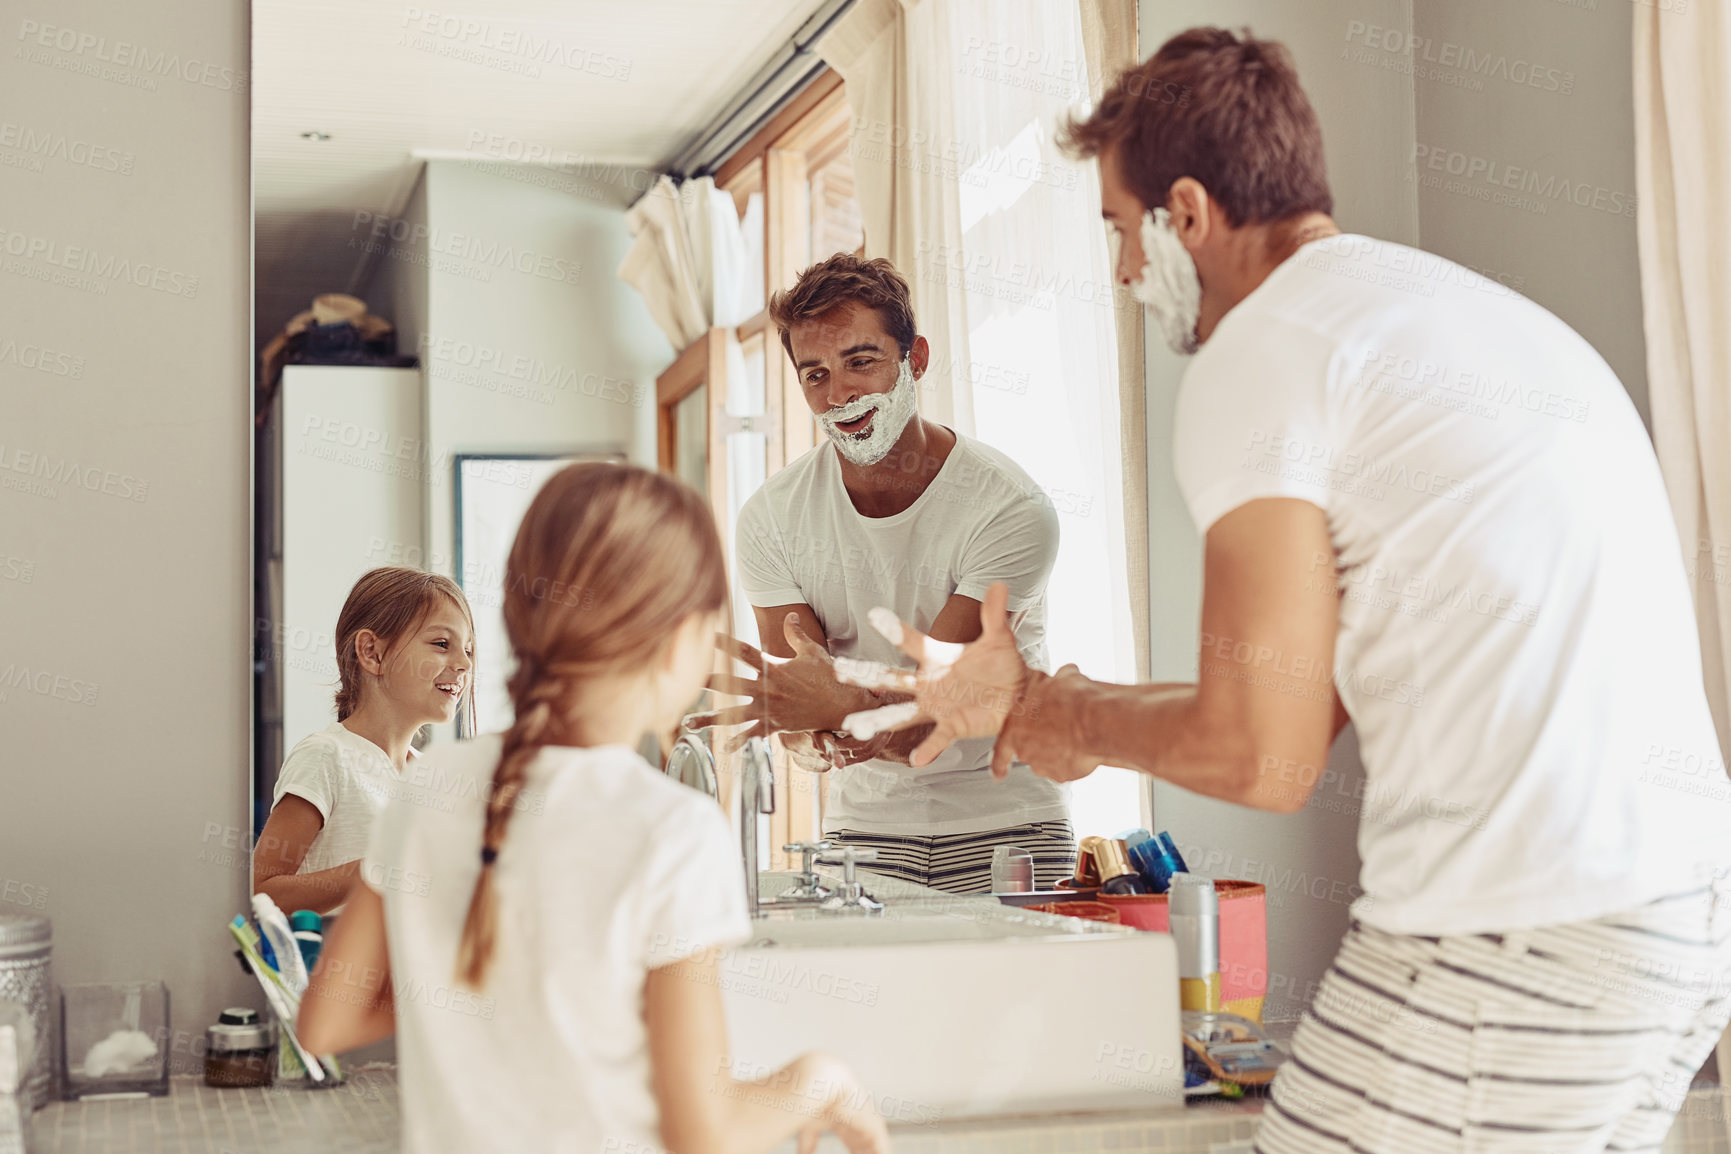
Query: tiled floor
[[361, 1118]]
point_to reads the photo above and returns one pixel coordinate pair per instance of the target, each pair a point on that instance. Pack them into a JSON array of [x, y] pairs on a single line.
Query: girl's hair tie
[[489, 855]]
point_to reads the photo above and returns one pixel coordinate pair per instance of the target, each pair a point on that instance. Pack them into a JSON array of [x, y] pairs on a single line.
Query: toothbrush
[[276, 930], [282, 1003]]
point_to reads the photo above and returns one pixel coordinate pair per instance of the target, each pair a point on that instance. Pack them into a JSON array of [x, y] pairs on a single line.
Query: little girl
[[404, 651], [546, 947]]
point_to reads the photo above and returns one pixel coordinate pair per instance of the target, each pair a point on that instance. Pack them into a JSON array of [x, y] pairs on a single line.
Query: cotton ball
[[121, 1051]]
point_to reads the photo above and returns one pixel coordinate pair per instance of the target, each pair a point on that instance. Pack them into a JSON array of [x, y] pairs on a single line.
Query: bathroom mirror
[[450, 241], [466, 182]]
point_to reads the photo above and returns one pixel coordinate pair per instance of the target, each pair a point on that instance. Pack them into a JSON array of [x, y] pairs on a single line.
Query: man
[[891, 509], [1434, 490]]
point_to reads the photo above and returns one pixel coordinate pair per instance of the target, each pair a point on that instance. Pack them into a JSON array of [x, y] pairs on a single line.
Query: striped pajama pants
[[1557, 1040], [961, 863]]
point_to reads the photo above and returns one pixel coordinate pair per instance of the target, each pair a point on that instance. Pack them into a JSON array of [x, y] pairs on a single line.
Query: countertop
[[360, 1117]]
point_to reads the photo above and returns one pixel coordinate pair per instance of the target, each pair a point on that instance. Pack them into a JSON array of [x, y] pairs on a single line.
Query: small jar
[[239, 1050]]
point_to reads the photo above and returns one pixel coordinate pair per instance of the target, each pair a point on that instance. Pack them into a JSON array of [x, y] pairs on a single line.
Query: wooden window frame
[[812, 130]]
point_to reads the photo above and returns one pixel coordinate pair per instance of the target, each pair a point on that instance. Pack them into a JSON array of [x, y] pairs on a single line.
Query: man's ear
[[1192, 211], [919, 356]]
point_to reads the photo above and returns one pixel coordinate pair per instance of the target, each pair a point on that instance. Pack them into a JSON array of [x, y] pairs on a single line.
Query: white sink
[[952, 1007]]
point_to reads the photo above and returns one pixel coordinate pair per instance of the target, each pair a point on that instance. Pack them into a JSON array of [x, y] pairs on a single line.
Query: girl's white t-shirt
[[348, 780], [608, 870]]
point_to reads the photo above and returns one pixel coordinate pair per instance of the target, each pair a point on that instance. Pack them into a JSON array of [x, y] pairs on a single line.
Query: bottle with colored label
[[1195, 922], [308, 929], [1156, 858]]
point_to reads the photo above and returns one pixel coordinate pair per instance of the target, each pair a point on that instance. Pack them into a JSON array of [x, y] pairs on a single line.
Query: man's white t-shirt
[[1516, 643], [608, 870], [348, 780], [981, 520]]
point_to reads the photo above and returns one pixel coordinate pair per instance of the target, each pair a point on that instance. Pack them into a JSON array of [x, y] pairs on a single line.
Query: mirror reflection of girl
[[405, 649], [542, 930]]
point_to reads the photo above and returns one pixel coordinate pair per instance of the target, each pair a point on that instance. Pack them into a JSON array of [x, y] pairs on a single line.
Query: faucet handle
[[808, 851], [847, 856], [852, 896]]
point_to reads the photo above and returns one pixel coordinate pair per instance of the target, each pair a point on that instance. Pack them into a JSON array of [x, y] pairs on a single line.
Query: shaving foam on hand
[[887, 623], [870, 674], [868, 723]]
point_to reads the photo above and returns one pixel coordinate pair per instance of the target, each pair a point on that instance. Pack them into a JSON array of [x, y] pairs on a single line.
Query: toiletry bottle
[[273, 927], [1117, 876], [1012, 870], [1155, 858], [1087, 876], [1144, 854], [239, 1050], [1195, 922], [1169, 849], [308, 929]]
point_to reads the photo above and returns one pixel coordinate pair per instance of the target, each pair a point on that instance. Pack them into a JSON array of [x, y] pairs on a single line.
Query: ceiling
[[627, 82]]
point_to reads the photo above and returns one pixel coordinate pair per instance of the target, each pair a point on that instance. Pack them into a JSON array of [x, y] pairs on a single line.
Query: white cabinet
[[352, 481]]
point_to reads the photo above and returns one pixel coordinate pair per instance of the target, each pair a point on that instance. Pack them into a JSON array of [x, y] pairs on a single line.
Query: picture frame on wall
[[490, 493]]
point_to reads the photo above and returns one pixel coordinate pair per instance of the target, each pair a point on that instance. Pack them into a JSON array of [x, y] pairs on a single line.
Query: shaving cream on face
[[1169, 286], [893, 410]]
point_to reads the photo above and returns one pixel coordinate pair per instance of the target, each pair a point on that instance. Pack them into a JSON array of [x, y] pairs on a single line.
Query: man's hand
[[1046, 730], [965, 690], [815, 751], [792, 695], [890, 745]]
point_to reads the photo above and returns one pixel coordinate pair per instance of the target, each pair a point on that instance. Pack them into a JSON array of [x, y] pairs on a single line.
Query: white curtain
[[1683, 174], [698, 266], [956, 104], [688, 259]]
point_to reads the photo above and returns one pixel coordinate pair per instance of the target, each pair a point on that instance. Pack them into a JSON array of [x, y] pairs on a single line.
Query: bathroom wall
[[1308, 861], [399, 284], [533, 344], [124, 480], [1534, 183]]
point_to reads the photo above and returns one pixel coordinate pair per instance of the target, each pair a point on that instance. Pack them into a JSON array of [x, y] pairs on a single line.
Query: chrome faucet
[[756, 797], [851, 897], [808, 883], [691, 763]]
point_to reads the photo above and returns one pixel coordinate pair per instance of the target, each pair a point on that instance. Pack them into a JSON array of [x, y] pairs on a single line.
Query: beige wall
[[123, 756], [1572, 122], [573, 353]]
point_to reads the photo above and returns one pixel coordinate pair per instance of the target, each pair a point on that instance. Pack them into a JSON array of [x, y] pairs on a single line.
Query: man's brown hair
[[845, 279], [1222, 108]]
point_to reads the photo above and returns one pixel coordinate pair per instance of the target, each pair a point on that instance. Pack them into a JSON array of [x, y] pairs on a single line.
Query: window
[[731, 409]]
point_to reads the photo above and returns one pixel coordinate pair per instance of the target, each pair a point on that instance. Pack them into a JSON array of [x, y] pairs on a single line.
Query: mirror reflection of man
[[1429, 505], [890, 509]]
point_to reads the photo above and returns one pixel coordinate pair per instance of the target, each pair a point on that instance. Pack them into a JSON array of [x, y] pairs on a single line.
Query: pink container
[[1243, 938], [1087, 911]]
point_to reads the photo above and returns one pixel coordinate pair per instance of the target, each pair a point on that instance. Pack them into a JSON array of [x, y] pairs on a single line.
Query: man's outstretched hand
[[788, 694], [964, 690]]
